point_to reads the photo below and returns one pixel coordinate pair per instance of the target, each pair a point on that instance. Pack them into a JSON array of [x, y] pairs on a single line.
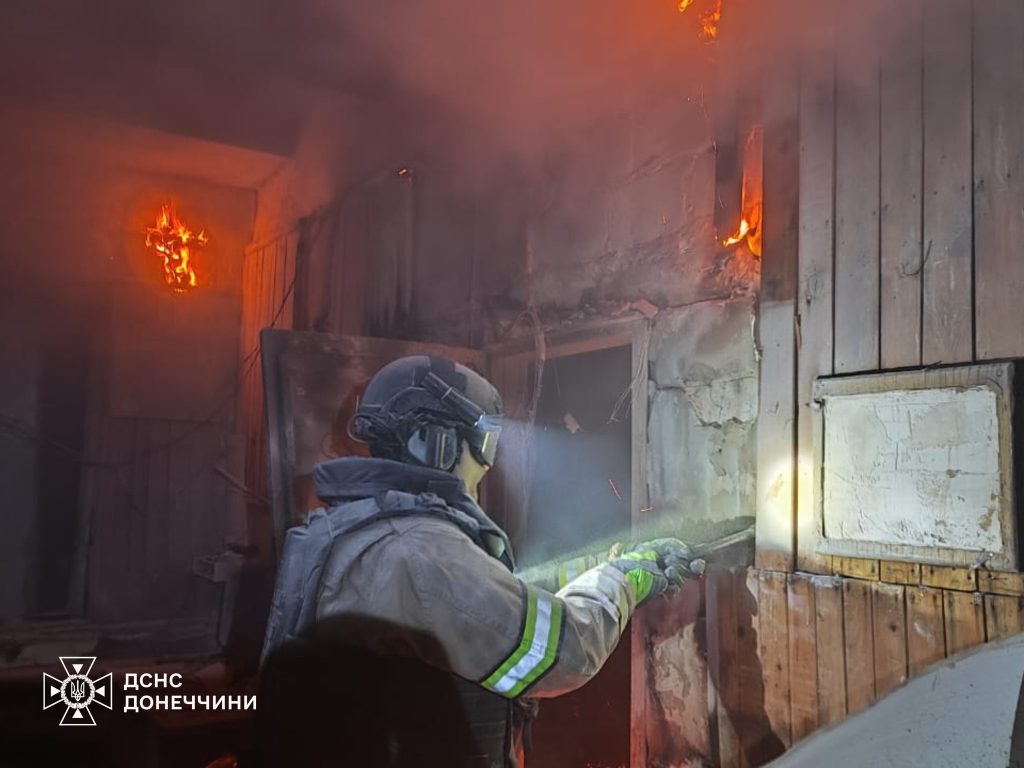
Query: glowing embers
[[708, 19], [709, 22], [179, 246]]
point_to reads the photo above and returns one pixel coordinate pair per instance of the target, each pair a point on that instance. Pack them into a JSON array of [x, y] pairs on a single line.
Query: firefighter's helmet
[[419, 409]]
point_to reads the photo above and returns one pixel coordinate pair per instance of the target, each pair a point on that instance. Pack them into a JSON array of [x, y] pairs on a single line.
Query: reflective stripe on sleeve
[[537, 648]]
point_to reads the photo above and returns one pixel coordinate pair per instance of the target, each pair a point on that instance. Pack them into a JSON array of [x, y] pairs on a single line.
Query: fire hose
[[548, 572], [701, 552]]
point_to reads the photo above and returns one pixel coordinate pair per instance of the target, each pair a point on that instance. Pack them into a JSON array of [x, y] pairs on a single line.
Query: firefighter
[[397, 608]]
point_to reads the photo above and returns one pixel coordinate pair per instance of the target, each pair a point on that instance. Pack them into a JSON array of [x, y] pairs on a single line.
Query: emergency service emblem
[[77, 691]]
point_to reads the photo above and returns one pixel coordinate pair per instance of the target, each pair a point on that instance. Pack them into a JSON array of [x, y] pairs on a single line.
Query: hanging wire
[[625, 400]]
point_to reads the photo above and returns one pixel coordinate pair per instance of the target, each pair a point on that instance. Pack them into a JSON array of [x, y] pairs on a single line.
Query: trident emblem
[[77, 688], [77, 691]]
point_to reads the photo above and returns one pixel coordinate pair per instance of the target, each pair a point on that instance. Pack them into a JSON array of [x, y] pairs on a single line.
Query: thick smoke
[[485, 76]]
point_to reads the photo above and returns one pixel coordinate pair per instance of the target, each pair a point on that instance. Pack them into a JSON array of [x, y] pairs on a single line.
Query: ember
[[177, 243], [709, 23], [708, 19]]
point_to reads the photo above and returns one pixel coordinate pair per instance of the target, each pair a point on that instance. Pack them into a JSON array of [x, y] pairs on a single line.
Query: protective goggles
[[483, 439], [480, 429]]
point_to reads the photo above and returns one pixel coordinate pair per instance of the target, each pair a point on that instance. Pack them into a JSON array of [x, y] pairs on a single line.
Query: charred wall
[[118, 391]]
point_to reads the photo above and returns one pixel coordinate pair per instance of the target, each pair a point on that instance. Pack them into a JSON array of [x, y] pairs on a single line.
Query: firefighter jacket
[[426, 577], [414, 570]]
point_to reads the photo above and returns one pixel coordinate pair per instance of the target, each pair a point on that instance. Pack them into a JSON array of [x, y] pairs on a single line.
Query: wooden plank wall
[[152, 502], [792, 652], [909, 252], [156, 503], [910, 192], [268, 297]]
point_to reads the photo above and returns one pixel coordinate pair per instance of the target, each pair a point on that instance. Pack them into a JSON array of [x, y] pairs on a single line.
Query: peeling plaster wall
[[701, 454], [676, 722], [703, 407], [917, 467], [628, 213]]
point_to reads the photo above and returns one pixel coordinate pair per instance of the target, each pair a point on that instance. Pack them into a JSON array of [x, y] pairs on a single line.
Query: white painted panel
[[913, 467]]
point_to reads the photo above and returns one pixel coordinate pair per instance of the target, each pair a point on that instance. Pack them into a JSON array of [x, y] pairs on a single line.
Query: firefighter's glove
[[655, 567]]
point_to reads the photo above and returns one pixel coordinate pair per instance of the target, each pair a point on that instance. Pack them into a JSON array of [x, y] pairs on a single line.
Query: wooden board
[[111, 547], [890, 636], [780, 216], [776, 438], [856, 567], [773, 647], [1004, 616], [948, 577], [856, 191], [184, 518], [926, 632], [947, 317], [291, 242], [999, 177], [965, 620], [758, 742], [1000, 582], [900, 216], [722, 667], [858, 633], [349, 270], [815, 270], [750, 717], [828, 612], [157, 511], [138, 496], [776, 422], [803, 656], [899, 573]]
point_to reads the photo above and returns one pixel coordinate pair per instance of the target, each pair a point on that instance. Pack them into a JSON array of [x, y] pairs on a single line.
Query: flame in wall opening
[[749, 229], [751, 195], [178, 245]]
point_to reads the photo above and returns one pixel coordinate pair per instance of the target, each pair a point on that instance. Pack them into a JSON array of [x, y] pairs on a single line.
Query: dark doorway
[[580, 494], [63, 388]]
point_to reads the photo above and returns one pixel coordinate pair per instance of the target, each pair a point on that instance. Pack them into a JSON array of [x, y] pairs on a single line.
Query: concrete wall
[[703, 408]]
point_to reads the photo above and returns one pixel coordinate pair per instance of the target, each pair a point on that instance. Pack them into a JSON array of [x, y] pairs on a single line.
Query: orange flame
[[708, 19], [740, 233], [709, 23], [752, 194], [176, 243]]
